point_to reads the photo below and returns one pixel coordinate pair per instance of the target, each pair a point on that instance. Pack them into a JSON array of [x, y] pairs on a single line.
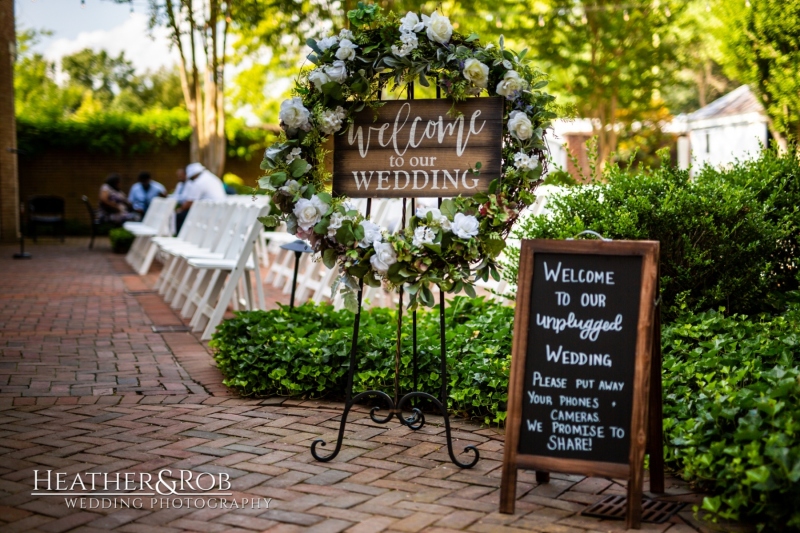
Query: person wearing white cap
[[201, 184]]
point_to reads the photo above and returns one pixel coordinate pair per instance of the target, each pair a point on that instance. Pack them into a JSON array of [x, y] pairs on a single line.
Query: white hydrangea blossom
[[410, 43], [293, 154], [523, 161], [346, 34], [423, 235], [330, 120], [335, 223]]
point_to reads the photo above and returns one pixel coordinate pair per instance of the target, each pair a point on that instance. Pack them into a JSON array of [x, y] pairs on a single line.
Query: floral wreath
[[451, 246]]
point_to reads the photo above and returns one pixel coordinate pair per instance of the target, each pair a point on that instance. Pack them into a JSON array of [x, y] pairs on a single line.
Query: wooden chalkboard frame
[[634, 470]]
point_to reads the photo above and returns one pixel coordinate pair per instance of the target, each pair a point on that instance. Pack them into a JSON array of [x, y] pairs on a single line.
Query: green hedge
[[728, 237], [128, 133], [732, 413], [731, 385], [305, 352]]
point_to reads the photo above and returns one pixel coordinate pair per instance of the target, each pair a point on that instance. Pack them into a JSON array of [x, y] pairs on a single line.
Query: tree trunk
[[9, 182]]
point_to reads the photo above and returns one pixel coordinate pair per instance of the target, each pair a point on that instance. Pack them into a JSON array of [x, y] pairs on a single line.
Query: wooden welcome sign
[[579, 390], [419, 148]]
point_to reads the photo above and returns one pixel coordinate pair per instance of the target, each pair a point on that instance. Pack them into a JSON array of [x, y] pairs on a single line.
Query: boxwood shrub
[[305, 352], [728, 237]]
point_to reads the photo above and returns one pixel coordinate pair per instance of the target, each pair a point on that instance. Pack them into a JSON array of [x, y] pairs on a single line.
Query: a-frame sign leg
[[508, 489], [655, 438]]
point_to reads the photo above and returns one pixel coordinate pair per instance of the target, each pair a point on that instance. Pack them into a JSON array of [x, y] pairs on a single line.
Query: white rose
[[422, 212], [334, 224], [372, 234], [510, 84], [347, 50], [318, 78], [336, 71], [384, 257], [465, 226], [309, 212], [423, 235], [294, 115], [439, 27], [411, 23], [520, 125], [476, 72], [327, 42]]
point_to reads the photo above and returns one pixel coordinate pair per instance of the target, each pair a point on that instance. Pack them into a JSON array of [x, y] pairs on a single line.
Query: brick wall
[[72, 174]]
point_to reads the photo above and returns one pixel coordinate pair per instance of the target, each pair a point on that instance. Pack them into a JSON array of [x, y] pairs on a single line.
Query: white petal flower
[[445, 223], [372, 234], [476, 72], [411, 23], [520, 125], [327, 42], [523, 161], [295, 153], [410, 42], [347, 50], [422, 212], [423, 235], [438, 27], [346, 34], [334, 224], [511, 84], [290, 188], [384, 257], [318, 78], [337, 71], [330, 120], [465, 226], [309, 212], [294, 115]]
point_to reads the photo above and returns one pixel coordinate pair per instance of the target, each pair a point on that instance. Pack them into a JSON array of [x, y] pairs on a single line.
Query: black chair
[[94, 220], [46, 211]]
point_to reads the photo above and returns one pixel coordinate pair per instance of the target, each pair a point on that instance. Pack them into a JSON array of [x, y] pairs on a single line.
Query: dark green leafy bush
[[728, 238], [305, 352], [732, 413], [121, 240]]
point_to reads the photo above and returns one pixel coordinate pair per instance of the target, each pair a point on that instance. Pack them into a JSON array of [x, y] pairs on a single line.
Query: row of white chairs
[[212, 262], [156, 222]]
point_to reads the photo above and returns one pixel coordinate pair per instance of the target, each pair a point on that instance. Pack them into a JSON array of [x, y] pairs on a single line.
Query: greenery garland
[[451, 246]]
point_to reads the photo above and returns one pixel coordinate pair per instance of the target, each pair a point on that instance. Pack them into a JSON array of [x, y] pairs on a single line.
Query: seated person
[[114, 205], [143, 192], [201, 184], [180, 175]]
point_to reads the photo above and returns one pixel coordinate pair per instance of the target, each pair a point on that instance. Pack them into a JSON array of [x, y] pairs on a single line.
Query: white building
[[729, 128]]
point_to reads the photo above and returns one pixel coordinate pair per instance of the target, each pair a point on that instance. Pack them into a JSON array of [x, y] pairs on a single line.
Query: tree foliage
[[762, 48]]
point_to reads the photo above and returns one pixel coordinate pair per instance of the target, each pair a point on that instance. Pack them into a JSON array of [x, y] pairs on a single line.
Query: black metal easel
[[395, 405]]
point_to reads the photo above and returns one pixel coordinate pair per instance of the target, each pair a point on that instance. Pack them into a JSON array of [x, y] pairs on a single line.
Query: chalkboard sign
[[578, 391], [420, 148]]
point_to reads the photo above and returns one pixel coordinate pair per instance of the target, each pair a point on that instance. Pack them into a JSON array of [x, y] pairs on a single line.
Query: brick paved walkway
[[86, 386]]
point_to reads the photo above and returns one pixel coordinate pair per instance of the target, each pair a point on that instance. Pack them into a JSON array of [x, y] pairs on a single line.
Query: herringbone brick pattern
[[86, 386]]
